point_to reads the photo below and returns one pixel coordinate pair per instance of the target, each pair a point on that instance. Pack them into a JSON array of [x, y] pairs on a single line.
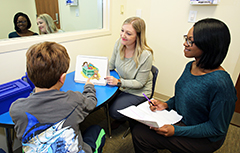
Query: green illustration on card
[[90, 71]]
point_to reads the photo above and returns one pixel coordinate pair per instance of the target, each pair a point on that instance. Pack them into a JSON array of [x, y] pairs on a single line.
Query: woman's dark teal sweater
[[206, 102]]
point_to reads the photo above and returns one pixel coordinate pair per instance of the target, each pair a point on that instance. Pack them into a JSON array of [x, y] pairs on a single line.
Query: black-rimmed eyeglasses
[[189, 42], [18, 22]]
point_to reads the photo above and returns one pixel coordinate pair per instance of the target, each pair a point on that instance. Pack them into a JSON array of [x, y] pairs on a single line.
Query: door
[[50, 7], [236, 115], [237, 86]]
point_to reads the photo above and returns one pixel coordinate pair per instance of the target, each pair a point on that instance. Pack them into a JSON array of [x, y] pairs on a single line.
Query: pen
[[148, 99]]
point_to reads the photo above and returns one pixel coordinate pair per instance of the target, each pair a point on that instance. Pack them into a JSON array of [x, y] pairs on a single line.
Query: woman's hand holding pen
[[166, 130], [158, 105]]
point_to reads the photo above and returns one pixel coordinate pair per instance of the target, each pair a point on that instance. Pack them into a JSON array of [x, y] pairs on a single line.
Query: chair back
[[26, 79], [155, 74], [154, 71]]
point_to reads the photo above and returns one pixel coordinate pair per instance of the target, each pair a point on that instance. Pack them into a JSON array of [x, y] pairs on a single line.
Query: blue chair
[[155, 74], [26, 79], [2, 151]]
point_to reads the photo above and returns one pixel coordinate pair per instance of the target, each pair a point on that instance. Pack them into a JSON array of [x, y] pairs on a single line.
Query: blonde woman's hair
[[51, 27], [141, 42]]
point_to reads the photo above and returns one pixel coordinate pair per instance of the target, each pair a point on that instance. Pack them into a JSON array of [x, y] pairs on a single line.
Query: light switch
[[77, 12], [192, 16], [122, 9]]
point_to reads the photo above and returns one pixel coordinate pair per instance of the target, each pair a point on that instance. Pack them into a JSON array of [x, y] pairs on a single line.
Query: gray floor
[[118, 145]]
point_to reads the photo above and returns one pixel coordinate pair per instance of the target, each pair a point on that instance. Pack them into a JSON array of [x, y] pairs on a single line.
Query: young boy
[[48, 120]]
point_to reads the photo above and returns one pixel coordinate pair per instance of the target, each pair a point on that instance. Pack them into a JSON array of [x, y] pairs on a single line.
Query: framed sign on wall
[[204, 2]]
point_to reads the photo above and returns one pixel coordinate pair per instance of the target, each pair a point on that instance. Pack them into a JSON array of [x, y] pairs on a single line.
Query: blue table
[[104, 94], [6, 120]]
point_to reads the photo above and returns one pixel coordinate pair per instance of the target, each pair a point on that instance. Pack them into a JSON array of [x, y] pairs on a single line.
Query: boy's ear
[[62, 78]]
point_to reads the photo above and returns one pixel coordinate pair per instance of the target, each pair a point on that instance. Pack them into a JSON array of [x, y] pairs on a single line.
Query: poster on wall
[[204, 2], [93, 67]]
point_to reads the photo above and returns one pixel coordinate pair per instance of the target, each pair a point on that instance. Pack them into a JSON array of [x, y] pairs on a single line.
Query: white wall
[[166, 24]]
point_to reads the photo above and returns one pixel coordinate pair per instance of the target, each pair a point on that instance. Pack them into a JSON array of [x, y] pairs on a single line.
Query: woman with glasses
[[204, 95], [22, 25]]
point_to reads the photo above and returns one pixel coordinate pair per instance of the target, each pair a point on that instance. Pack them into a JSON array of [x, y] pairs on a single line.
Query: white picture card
[[93, 67]]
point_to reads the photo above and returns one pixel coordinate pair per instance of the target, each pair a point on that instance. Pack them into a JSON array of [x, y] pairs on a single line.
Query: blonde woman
[[46, 24], [132, 59]]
